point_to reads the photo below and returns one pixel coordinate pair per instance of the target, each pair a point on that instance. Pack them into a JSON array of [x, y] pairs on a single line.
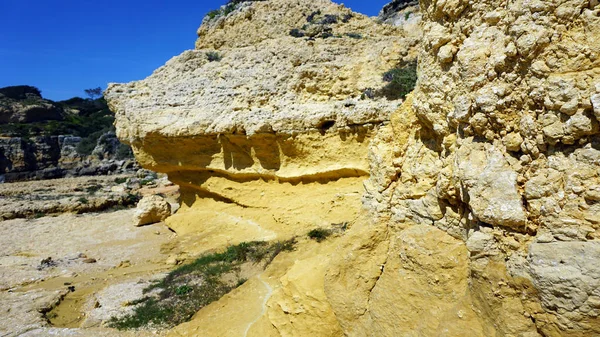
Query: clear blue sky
[[65, 46]]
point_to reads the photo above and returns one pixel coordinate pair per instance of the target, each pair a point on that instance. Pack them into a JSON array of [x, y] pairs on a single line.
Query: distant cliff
[[42, 139]]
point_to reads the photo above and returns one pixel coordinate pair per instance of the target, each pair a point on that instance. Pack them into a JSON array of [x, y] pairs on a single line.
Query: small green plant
[[182, 290], [354, 36], [311, 17], [131, 199], [407, 15], [319, 234], [83, 200], [145, 182], [93, 189], [124, 151], [326, 35], [296, 33], [213, 56], [346, 18], [329, 19], [213, 14], [401, 81], [88, 144], [227, 9], [120, 180]]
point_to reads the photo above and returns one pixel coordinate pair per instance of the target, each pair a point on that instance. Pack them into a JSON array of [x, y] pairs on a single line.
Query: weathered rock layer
[[266, 128], [483, 187], [256, 102], [495, 158]]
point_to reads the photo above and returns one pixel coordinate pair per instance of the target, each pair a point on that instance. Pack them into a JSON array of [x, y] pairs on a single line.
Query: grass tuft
[[213, 56], [400, 80], [319, 234], [187, 289]]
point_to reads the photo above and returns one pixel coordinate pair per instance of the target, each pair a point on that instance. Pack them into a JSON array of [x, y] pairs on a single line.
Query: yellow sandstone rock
[[267, 135], [481, 212]]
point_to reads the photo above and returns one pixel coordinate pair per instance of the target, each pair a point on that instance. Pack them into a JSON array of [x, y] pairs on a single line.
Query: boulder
[[151, 209]]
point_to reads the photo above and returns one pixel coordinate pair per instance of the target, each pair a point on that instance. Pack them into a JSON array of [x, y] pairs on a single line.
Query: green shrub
[[131, 199], [311, 17], [213, 56], [124, 151], [319, 234], [329, 19], [20, 92], [87, 144], [296, 32], [182, 290], [145, 182], [213, 14], [93, 189], [401, 81], [227, 9], [354, 36], [120, 180]]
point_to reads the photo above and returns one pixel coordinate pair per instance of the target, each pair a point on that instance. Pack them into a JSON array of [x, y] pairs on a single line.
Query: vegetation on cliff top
[[86, 118], [227, 9], [319, 25]]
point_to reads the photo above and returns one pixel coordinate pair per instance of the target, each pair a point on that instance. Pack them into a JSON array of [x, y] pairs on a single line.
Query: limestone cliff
[[496, 160], [276, 92], [51, 157], [265, 126], [482, 190], [254, 100]]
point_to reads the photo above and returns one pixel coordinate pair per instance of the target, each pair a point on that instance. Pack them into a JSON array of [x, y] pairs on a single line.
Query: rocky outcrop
[[284, 104], [403, 13], [24, 104], [42, 139], [265, 104], [482, 188], [265, 126], [34, 199], [151, 209], [50, 157], [496, 156]]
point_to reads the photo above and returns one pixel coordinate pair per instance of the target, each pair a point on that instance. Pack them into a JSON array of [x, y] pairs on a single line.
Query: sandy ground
[[30, 199], [41, 258]]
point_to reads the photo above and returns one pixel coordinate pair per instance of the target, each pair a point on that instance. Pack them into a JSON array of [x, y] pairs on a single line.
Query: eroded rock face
[[266, 128], [267, 98], [405, 14], [498, 148], [50, 157], [483, 186], [245, 118]]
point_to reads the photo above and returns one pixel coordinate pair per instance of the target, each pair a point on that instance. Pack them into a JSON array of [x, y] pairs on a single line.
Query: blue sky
[[65, 46]]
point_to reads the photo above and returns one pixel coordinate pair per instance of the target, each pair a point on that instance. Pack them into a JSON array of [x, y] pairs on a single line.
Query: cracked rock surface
[[498, 149]]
